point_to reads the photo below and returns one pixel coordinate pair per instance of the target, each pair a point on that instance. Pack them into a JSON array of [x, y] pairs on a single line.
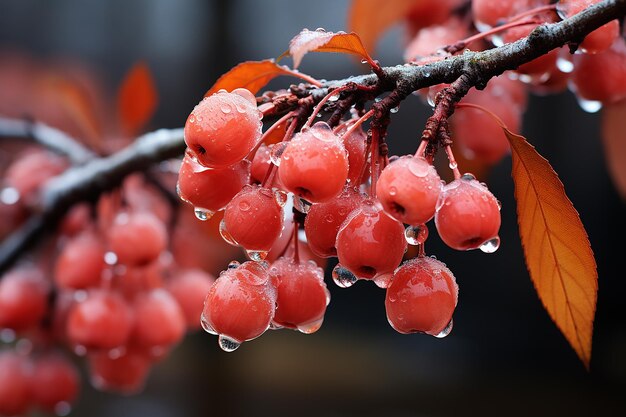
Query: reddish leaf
[[137, 99], [254, 75], [614, 138], [371, 18], [321, 41], [558, 255]]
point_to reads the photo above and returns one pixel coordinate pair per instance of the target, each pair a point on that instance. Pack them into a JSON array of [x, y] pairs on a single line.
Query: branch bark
[[86, 182]]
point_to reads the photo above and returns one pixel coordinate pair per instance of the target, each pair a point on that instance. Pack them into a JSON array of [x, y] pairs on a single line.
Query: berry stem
[[460, 45], [296, 251], [421, 149], [322, 102], [270, 130], [288, 135], [358, 123], [374, 161], [453, 164], [532, 12]]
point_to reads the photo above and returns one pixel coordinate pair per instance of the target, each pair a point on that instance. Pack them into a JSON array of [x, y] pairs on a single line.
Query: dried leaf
[[254, 75], [321, 41], [557, 250], [614, 139], [137, 99], [371, 18]]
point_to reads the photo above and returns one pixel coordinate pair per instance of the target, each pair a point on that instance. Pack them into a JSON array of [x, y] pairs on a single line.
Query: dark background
[[504, 357]]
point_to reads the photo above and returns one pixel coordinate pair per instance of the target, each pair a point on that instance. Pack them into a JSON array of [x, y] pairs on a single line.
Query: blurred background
[[504, 357]]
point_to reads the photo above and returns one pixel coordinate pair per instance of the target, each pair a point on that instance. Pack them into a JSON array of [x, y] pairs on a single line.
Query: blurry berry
[[23, 298], [137, 238]]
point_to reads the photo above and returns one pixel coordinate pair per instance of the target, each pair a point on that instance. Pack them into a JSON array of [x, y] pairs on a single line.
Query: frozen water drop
[[564, 64], [62, 408], [453, 165], [225, 107], [277, 152], [426, 73], [468, 177], [244, 205], [226, 235], [227, 344], [364, 61], [416, 235], [110, 258], [491, 245], [446, 331], [9, 196], [394, 110], [206, 325], [418, 167], [383, 281], [256, 255], [393, 191], [202, 214], [281, 197], [308, 328], [233, 265], [589, 106], [342, 277]]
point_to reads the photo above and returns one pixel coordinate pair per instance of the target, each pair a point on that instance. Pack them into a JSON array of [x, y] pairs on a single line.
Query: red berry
[[55, 383], [189, 287], [159, 320], [210, 189], [408, 189], [490, 13], [253, 219], [324, 219], [23, 298], [370, 243], [30, 171], [137, 238], [355, 147], [102, 321], [314, 165], [15, 383], [223, 128], [125, 374], [429, 40], [81, 262], [468, 215], [302, 295], [598, 40], [260, 164], [422, 297], [240, 305]]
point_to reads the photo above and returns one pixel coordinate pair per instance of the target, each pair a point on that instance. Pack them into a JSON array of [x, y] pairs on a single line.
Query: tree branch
[[87, 182]]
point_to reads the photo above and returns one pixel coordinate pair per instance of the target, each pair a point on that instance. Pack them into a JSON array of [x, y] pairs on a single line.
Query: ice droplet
[[281, 197], [225, 107], [446, 331], [202, 214], [308, 328], [226, 235], [206, 326], [491, 245], [468, 176], [394, 109], [416, 235], [589, 106], [233, 265], [256, 255], [277, 152], [393, 191], [9, 196], [342, 277], [227, 344]]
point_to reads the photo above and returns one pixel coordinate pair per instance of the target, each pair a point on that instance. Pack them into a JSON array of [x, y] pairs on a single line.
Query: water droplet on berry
[[9, 196], [383, 281], [301, 204], [499, 204], [226, 235], [329, 218], [468, 177], [274, 326], [225, 107], [227, 344], [491, 245], [244, 205], [323, 132], [202, 214], [342, 277], [7, 336], [419, 167], [206, 326], [256, 255], [446, 331], [110, 258], [312, 327], [192, 118], [393, 191], [277, 152], [233, 265], [564, 64], [62, 408], [394, 109], [416, 235], [281, 197], [589, 106]]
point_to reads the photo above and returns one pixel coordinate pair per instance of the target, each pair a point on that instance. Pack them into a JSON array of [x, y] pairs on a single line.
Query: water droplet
[[419, 167], [226, 235], [192, 118], [323, 132], [7, 336], [446, 331], [426, 73], [225, 107], [491, 245], [393, 191], [80, 295], [274, 326], [589, 106], [468, 177], [308, 328], [9, 196], [203, 214], [453, 165], [430, 97], [281, 197], [342, 277], [233, 265], [383, 281], [416, 235], [394, 110], [227, 344], [256, 255], [276, 152], [333, 98], [499, 204], [377, 99], [110, 258], [244, 205], [116, 353], [62, 408], [564, 64], [80, 350], [364, 61], [206, 326], [301, 204]]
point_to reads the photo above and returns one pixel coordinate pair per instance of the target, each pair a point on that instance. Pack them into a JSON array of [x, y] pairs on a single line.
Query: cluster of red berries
[[346, 215], [497, 22]]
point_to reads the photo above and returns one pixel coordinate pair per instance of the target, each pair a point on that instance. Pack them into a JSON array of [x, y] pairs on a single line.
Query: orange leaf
[[321, 41], [137, 99], [254, 75], [558, 255], [613, 128], [371, 18]]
